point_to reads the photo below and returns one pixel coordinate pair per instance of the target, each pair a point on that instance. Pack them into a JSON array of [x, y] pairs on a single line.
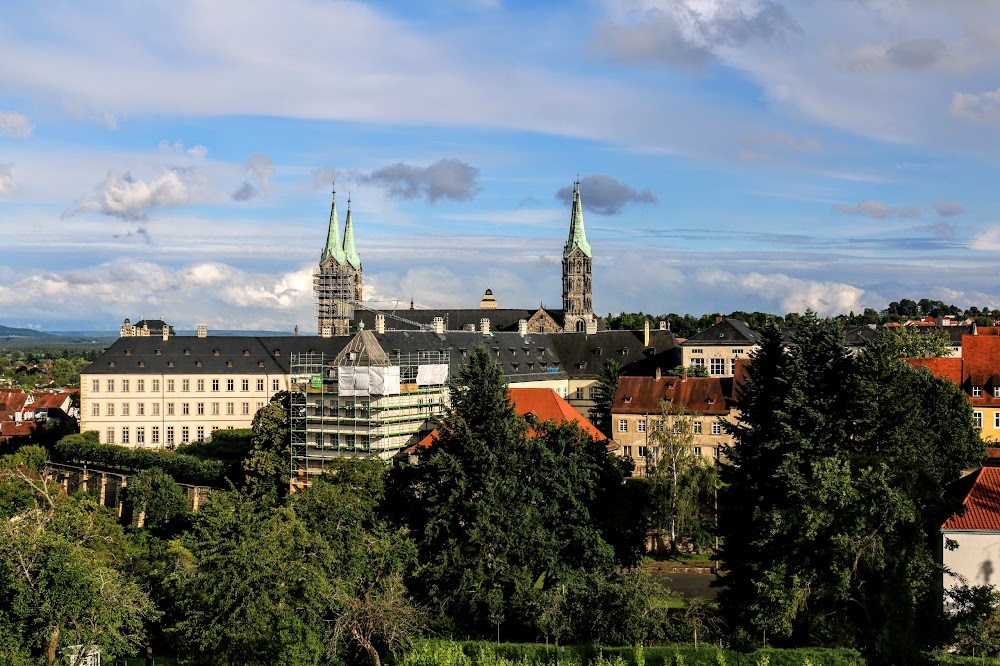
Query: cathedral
[[339, 309]]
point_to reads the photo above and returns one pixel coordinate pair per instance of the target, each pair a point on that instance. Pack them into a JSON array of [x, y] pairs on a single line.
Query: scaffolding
[[337, 289], [360, 404]]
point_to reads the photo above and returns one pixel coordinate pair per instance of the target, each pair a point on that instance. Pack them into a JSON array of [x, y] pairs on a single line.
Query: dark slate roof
[[522, 357], [727, 331], [584, 355], [155, 326], [501, 319]]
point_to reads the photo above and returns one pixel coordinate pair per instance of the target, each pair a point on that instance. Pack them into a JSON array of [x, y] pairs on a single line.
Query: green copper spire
[[333, 247], [350, 252], [577, 234]]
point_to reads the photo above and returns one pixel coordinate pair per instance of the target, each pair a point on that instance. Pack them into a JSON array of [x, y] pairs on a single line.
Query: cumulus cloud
[[126, 197], [980, 108], [15, 125], [7, 182], [789, 293], [262, 168], [448, 178], [605, 195], [877, 210], [948, 208], [687, 34]]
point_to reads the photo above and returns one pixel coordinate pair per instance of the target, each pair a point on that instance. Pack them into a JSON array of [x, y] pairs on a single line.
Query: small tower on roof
[[489, 302], [337, 280], [577, 269]]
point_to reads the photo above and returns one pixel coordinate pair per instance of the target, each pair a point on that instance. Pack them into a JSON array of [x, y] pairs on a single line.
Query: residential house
[[971, 538], [719, 346]]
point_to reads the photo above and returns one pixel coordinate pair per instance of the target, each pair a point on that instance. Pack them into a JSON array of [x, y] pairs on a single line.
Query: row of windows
[[140, 435], [696, 426], [140, 385], [977, 391], [731, 351], [716, 366], [140, 408], [654, 451]]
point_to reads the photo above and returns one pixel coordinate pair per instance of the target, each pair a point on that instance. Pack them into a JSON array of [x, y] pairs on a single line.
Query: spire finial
[[333, 247]]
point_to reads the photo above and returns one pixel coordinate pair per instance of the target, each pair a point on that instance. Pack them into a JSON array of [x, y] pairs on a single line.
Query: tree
[[603, 395], [837, 481], [975, 619], [155, 494], [268, 465], [680, 481], [917, 342]]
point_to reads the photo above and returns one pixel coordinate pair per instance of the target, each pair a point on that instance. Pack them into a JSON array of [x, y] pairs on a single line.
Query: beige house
[[637, 414], [719, 346], [975, 532]]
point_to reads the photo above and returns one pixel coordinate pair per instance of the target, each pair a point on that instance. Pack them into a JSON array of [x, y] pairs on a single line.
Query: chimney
[[438, 325], [380, 323], [718, 320], [296, 330], [645, 333], [659, 374], [326, 332], [522, 326], [663, 325], [684, 374], [974, 330], [166, 332], [484, 326], [591, 327], [202, 331]]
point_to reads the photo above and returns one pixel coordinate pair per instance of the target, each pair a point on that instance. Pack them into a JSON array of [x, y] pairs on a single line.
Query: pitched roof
[[457, 319], [51, 401], [584, 355], [12, 401], [945, 368], [981, 507], [333, 247], [725, 332], [697, 395]]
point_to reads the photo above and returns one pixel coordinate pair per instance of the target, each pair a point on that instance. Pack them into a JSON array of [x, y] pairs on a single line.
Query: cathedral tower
[[578, 312], [337, 280]]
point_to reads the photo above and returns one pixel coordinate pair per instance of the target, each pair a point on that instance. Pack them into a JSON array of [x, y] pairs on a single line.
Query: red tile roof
[[945, 368], [697, 395], [51, 400], [982, 504], [545, 405], [11, 401], [22, 429]]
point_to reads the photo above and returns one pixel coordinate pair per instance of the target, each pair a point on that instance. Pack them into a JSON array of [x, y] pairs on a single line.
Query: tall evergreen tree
[[603, 395]]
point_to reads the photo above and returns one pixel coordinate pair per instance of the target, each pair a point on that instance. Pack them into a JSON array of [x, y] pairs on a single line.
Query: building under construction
[[337, 280], [362, 402]]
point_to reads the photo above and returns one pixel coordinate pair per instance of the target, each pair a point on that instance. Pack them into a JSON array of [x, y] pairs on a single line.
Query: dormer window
[[170, 364], [142, 364], [128, 352], [977, 391], [215, 352], [597, 351], [246, 352], [260, 364], [197, 363], [111, 364], [624, 351], [277, 353], [158, 352], [229, 364], [187, 352]]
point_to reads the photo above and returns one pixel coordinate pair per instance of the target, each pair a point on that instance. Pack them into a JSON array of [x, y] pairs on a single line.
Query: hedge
[[481, 653], [84, 450]]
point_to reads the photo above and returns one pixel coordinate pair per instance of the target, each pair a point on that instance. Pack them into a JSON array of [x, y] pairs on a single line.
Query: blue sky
[[174, 158]]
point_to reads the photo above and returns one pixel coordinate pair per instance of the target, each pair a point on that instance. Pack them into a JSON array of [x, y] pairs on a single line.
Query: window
[[170, 386], [656, 452], [111, 409], [140, 436], [185, 408], [245, 385], [246, 408], [716, 428], [111, 385], [230, 408], [95, 385], [260, 384], [977, 419], [260, 405], [996, 391], [732, 366], [185, 384], [200, 407], [230, 384], [170, 435], [642, 451], [736, 352], [627, 451], [641, 426], [111, 436], [95, 410], [977, 391], [124, 386], [996, 419], [125, 435], [156, 409], [140, 408], [696, 427], [140, 385], [215, 409], [678, 427], [215, 384], [201, 385], [124, 409], [156, 386], [185, 435], [275, 385], [622, 425], [717, 366], [155, 435], [201, 433], [697, 351], [697, 450], [170, 409], [579, 393], [697, 363]]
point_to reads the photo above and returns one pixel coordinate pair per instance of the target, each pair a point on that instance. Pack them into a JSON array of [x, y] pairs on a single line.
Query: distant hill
[[11, 332]]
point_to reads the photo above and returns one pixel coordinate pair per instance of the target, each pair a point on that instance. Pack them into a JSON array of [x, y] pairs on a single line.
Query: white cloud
[[786, 293], [980, 108], [878, 210], [7, 182], [122, 195], [15, 125]]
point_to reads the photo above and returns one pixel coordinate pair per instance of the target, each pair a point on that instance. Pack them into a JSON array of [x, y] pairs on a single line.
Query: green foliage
[[157, 495], [230, 444], [603, 395], [975, 619], [916, 342], [267, 465], [31, 456], [85, 449], [836, 487], [691, 370]]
